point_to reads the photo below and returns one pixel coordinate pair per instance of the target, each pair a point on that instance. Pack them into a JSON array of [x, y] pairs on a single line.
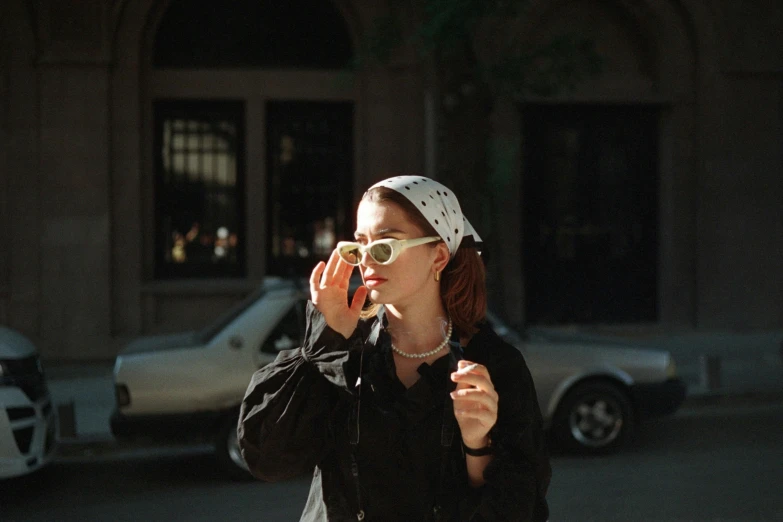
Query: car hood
[[159, 343], [14, 345]]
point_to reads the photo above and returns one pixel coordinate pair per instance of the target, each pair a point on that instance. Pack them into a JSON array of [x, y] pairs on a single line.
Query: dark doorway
[[590, 214], [310, 177]]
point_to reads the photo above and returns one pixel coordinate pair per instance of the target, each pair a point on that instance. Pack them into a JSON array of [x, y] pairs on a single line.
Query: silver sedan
[[592, 393]]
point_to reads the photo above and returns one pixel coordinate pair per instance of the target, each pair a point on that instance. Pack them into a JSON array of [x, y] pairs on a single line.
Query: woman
[[412, 409]]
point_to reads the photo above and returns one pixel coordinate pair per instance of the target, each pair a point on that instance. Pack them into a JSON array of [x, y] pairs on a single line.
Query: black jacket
[[391, 452]]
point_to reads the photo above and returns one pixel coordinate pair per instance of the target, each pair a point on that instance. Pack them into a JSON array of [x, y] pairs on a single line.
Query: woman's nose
[[367, 259]]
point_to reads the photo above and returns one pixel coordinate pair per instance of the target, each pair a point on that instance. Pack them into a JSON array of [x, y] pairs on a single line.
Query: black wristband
[[478, 452]]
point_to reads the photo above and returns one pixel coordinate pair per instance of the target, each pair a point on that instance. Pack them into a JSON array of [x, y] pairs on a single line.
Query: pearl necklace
[[426, 354]]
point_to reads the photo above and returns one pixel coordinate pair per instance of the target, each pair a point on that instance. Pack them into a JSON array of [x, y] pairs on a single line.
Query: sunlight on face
[[411, 273]]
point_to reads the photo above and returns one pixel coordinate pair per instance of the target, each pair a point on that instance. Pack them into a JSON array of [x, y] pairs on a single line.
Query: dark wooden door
[[590, 214]]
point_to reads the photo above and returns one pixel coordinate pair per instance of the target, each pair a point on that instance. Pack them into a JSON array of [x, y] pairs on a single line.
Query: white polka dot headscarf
[[439, 206]]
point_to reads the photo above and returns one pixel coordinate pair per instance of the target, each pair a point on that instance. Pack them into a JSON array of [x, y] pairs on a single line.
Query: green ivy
[[445, 28]]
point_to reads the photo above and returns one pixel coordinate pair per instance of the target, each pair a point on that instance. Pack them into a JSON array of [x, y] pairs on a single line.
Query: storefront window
[[309, 165], [199, 189]]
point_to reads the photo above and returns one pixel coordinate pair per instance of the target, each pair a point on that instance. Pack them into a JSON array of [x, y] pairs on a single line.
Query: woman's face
[[412, 273]]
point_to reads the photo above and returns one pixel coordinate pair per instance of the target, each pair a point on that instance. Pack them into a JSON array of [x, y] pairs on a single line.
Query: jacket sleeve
[[283, 426], [517, 479]]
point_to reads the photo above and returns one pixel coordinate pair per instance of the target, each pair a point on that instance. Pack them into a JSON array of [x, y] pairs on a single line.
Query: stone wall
[[740, 191]]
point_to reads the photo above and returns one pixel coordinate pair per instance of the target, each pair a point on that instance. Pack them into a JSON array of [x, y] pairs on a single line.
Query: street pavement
[[716, 463], [716, 366]]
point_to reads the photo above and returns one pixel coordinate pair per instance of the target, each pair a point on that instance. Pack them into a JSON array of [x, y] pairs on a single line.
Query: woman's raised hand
[[329, 293]]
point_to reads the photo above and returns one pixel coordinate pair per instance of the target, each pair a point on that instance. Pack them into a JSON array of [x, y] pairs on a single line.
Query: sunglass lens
[[381, 253], [350, 254]]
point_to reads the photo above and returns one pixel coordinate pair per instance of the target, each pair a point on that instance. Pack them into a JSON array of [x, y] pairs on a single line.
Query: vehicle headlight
[[5, 371], [671, 368]]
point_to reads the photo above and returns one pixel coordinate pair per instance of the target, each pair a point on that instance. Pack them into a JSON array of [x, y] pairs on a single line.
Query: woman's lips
[[372, 282]]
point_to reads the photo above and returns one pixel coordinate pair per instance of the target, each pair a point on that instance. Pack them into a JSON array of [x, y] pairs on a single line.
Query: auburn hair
[[463, 289]]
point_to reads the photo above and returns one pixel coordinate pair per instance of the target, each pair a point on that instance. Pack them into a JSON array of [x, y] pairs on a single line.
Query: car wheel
[[227, 450], [594, 417]]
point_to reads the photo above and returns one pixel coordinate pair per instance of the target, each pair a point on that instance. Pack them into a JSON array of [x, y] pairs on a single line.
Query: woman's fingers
[[484, 417], [474, 375], [474, 397], [358, 299], [345, 270], [315, 278], [331, 265]]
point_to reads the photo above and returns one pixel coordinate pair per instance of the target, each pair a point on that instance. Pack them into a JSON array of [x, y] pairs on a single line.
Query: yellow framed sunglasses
[[382, 251]]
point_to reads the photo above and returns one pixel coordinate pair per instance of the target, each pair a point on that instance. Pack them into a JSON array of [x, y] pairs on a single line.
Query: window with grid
[[310, 180], [199, 189]]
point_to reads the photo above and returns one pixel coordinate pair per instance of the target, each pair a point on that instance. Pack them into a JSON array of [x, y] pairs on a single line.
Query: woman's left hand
[[475, 404]]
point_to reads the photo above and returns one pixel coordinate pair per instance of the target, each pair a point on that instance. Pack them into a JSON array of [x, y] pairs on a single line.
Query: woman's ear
[[442, 256]]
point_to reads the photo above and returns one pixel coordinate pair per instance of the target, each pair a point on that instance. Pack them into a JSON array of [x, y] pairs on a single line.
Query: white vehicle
[[189, 386], [28, 424]]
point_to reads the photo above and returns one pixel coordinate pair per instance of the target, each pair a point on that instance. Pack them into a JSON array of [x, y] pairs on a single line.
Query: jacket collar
[[380, 323]]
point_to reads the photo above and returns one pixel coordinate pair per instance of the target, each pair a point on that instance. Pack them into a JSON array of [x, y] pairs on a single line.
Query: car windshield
[[223, 320]]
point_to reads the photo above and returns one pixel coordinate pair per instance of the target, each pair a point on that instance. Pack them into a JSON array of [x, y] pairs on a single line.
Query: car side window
[[289, 332]]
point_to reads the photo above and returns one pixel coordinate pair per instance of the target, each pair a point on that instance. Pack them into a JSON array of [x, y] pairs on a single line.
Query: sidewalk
[[89, 387], [717, 367]]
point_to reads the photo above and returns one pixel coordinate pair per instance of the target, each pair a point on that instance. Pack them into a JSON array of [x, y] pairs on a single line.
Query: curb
[[96, 447], [88, 446], [718, 398]]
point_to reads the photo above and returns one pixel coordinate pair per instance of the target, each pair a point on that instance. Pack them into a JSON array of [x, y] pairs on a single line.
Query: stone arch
[[652, 32], [304, 34], [136, 22]]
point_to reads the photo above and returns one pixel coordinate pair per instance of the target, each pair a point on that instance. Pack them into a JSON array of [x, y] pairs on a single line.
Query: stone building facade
[[668, 165]]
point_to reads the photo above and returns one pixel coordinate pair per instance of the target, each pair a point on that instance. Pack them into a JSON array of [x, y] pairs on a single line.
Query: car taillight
[[122, 394], [671, 369]]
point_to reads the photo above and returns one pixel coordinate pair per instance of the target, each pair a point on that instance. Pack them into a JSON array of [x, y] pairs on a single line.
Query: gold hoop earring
[[437, 275]]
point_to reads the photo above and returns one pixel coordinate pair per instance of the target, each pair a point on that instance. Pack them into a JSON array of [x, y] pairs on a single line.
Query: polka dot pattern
[[443, 211]]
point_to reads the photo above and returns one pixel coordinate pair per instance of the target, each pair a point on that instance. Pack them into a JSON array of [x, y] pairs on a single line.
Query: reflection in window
[[199, 185], [309, 168]]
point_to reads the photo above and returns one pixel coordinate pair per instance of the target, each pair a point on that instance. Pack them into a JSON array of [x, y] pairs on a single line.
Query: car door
[[287, 334]]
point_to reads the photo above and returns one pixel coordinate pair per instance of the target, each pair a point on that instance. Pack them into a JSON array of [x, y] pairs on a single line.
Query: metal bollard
[[709, 371], [66, 419]]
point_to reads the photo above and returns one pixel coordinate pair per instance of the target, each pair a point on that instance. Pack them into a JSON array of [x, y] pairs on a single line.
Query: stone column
[[73, 89], [21, 220]]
